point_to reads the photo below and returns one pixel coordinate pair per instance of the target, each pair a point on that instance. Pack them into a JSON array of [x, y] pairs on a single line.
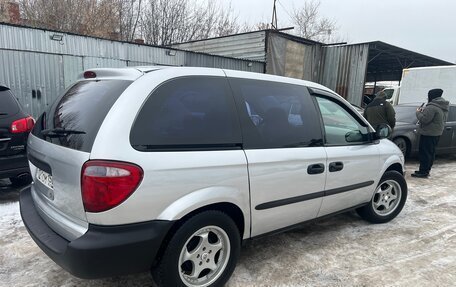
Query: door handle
[[449, 128], [336, 166], [316, 168]]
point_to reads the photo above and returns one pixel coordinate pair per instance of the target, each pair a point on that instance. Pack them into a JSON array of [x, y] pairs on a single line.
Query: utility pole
[[274, 17]]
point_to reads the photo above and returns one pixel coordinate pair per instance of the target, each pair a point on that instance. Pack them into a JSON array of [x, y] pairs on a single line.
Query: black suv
[[15, 126]]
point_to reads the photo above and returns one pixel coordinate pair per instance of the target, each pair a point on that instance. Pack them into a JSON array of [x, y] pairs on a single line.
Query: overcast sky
[[424, 26]]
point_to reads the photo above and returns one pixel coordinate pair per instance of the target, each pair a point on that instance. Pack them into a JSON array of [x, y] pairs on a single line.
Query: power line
[[286, 11]]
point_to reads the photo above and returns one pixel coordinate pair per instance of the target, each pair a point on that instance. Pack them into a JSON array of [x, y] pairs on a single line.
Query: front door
[[353, 159]]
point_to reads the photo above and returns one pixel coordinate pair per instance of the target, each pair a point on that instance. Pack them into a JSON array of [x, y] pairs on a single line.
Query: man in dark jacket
[[432, 120], [379, 111]]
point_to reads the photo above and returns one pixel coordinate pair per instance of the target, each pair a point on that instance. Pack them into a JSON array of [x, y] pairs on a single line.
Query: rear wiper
[[60, 132]]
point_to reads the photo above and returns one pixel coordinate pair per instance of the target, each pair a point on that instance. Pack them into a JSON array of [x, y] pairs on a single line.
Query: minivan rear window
[[8, 104], [74, 119]]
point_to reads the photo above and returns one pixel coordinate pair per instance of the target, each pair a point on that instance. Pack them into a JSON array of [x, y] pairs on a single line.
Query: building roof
[[386, 62], [279, 32]]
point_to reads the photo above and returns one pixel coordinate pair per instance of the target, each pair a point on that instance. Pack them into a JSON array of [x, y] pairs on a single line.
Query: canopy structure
[[386, 62]]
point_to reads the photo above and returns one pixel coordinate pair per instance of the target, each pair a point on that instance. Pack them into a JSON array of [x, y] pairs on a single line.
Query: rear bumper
[[12, 166], [102, 251]]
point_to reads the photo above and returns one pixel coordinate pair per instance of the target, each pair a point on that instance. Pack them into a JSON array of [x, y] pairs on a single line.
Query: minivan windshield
[[74, 119]]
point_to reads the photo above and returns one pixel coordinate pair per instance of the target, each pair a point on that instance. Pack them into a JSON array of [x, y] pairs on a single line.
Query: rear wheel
[[388, 200], [202, 252], [402, 145]]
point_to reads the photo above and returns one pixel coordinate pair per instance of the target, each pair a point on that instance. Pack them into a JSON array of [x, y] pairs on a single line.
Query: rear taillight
[[106, 184], [23, 125]]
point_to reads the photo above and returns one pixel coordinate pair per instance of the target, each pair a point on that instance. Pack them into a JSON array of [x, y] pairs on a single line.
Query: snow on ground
[[418, 248]]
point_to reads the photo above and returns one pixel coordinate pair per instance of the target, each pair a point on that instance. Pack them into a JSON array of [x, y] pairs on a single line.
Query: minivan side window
[[276, 115], [341, 128], [188, 113]]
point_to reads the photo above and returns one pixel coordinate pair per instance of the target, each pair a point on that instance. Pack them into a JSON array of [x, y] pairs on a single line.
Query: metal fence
[[340, 68], [344, 70], [38, 64], [293, 59]]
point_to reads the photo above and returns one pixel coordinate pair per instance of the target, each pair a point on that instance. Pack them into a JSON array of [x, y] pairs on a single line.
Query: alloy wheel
[[204, 256], [386, 197]]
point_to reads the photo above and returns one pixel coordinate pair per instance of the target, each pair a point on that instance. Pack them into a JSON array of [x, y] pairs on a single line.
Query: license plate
[[45, 178]]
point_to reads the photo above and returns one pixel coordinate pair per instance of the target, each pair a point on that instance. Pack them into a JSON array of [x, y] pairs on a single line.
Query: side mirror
[[383, 131], [354, 136]]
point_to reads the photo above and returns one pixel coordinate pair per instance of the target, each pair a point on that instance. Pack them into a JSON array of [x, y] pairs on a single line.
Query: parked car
[[169, 169], [15, 125], [406, 137]]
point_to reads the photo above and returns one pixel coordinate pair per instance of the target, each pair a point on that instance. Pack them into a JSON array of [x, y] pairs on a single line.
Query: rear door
[[286, 159], [10, 144], [353, 160], [57, 157], [447, 142]]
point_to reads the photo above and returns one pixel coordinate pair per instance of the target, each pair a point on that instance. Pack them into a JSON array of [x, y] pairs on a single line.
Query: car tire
[[202, 252], [21, 180], [402, 145], [388, 200]]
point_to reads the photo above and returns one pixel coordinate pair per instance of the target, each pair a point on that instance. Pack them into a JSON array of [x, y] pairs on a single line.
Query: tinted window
[[188, 113], [82, 108], [341, 128], [406, 114], [8, 104], [276, 115]]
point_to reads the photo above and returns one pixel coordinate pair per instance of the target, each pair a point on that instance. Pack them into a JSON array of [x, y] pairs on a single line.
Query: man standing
[[379, 111], [432, 120]]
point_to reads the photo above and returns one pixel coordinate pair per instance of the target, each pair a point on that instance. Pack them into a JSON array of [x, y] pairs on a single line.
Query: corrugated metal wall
[[344, 70], [340, 68], [293, 59], [249, 46], [38, 69], [35, 78]]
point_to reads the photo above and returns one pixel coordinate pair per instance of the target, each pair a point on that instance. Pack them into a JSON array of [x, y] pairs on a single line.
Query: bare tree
[[128, 13], [53, 14], [159, 22], [86, 17], [311, 25], [172, 21]]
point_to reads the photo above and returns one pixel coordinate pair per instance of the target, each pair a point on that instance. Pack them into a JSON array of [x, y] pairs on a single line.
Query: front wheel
[[402, 145], [203, 252], [388, 200]]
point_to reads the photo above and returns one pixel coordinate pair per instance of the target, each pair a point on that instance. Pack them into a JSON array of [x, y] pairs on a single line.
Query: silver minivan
[[169, 169]]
